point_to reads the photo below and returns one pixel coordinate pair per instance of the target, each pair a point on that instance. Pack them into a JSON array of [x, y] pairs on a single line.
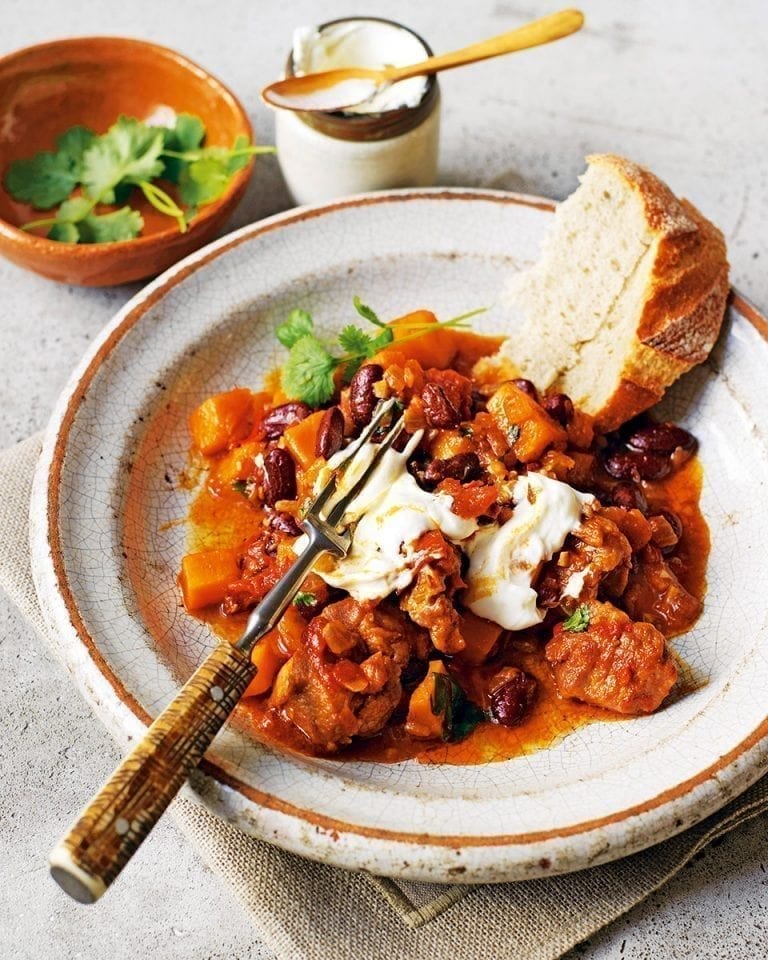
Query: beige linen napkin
[[309, 911]]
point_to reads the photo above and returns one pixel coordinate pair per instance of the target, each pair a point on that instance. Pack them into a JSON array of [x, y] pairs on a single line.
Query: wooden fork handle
[[111, 828]]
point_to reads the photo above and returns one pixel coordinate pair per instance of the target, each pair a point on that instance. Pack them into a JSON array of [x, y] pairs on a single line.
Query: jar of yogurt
[[388, 141]]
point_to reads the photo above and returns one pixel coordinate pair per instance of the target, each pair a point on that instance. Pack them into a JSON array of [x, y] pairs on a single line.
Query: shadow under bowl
[[50, 87]]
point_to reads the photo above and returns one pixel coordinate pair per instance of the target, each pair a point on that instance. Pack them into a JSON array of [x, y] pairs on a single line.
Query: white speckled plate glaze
[[106, 575]]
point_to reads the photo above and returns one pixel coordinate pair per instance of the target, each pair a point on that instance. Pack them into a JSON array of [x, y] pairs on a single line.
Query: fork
[[119, 817]]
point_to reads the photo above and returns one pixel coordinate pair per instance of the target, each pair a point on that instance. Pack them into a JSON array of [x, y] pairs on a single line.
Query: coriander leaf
[[187, 133], [64, 232], [73, 210], [578, 620], [42, 181], [308, 373], [366, 312], [123, 224], [240, 486], [128, 152], [466, 716], [355, 341], [304, 599], [441, 693], [203, 181], [72, 144], [243, 157], [462, 715], [298, 325]]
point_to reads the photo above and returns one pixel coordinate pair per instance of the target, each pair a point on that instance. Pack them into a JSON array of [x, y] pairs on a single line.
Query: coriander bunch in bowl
[[88, 172]]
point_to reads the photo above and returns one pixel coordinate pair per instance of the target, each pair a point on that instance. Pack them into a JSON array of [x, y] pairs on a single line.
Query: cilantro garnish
[[240, 486], [304, 599], [460, 715], [49, 178], [309, 373], [107, 168], [298, 325], [578, 620]]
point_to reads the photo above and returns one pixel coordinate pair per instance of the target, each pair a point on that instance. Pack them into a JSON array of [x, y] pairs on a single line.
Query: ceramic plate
[[108, 538]]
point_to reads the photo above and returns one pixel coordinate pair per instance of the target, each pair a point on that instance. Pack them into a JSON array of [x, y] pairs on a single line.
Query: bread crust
[[685, 302]]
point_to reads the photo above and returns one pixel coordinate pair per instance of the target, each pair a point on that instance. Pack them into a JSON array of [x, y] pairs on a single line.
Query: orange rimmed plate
[[108, 535]]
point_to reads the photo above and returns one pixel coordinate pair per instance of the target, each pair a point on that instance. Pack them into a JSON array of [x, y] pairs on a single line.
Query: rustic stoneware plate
[[107, 539]]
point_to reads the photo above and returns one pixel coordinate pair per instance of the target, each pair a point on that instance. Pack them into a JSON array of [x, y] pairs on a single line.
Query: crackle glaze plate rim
[[486, 854]]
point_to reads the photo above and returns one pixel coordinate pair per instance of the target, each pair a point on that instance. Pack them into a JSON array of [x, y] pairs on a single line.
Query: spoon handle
[[549, 28]]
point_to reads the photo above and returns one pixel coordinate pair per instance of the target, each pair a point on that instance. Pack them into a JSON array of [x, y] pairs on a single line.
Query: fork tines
[[338, 510]]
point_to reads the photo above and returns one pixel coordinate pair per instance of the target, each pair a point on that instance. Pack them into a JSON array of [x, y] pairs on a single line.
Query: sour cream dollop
[[391, 514], [503, 561], [393, 511]]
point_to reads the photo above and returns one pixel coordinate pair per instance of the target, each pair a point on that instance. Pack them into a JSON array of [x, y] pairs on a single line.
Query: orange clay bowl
[[48, 88]]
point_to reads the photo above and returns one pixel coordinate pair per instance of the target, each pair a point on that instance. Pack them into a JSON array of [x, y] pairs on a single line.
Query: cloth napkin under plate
[[322, 912]]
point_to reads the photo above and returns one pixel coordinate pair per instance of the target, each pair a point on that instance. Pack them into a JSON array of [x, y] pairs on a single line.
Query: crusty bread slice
[[629, 293]]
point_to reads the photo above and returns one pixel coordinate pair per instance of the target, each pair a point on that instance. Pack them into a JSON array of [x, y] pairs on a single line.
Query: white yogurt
[[392, 513], [363, 43]]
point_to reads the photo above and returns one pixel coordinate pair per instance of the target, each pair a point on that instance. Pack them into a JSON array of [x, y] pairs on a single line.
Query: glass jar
[[328, 155]]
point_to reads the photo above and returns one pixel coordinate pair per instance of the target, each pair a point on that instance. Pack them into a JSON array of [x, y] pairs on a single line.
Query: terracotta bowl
[[46, 89]]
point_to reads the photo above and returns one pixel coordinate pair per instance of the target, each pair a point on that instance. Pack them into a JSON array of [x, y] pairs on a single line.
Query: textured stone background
[[681, 87]]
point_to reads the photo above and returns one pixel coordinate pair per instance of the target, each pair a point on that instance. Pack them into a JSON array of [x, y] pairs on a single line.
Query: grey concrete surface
[[679, 86]]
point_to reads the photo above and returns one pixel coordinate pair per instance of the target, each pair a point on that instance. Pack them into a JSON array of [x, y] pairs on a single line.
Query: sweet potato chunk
[[301, 439], [527, 426], [205, 577], [268, 658], [612, 662], [425, 722], [222, 420]]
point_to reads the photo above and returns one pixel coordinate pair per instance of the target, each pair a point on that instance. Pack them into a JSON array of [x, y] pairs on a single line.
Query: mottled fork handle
[[121, 815], [113, 825]]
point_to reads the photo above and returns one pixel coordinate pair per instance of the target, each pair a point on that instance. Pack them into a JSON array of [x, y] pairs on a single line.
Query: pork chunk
[[614, 663], [428, 601], [344, 680]]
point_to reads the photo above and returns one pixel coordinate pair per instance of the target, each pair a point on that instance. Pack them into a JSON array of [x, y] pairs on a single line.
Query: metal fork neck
[[321, 539]]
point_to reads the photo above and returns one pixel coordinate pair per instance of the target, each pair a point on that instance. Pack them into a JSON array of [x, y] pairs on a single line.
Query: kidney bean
[[330, 434], [438, 409], [527, 387], [362, 399], [279, 477], [637, 465], [661, 438], [277, 421], [560, 407], [513, 697], [285, 523], [463, 467], [629, 496]]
